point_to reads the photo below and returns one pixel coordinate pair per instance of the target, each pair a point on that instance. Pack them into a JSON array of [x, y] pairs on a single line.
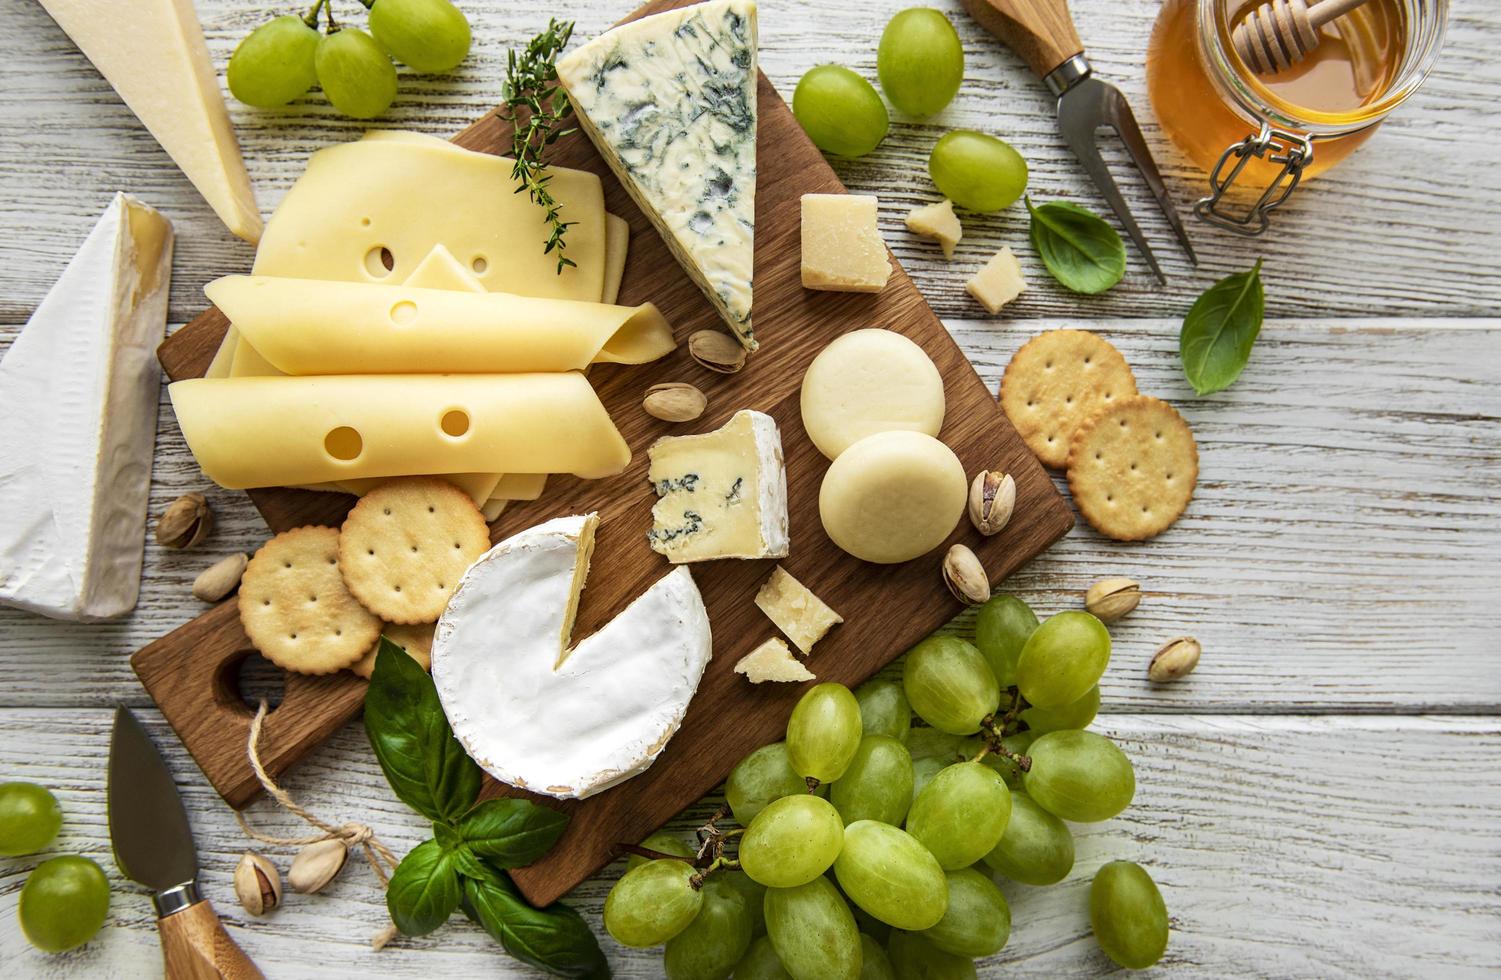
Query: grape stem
[[652, 855], [531, 90], [813, 783], [697, 881], [311, 17]]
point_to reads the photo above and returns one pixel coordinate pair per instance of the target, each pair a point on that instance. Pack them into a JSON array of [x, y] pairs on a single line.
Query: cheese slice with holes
[[561, 720]]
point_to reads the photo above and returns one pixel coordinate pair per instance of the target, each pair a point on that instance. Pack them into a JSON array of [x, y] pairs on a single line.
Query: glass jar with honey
[[1258, 135]]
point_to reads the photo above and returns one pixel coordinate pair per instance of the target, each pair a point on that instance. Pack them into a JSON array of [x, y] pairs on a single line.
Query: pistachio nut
[[220, 579], [992, 497], [717, 351], [185, 522], [965, 576], [257, 884], [675, 401], [317, 864], [1174, 659], [1110, 599]]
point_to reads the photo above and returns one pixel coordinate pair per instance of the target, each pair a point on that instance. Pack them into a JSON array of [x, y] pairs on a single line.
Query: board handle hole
[[245, 680]]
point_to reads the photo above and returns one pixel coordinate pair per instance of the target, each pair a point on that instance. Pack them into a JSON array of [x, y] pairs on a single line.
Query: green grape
[[763, 776], [1001, 627], [752, 891], [977, 922], [792, 841], [923, 771], [878, 783], [429, 35], [653, 903], [915, 958], [1036, 849], [760, 962], [1017, 745], [868, 924], [813, 932], [716, 938], [1074, 715], [840, 111], [63, 903], [874, 963], [930, 743], [961, 815], [1079, 776], [29, 818], [884, 709], [356, 75], [889, 874], [1063, 659], [664, 841], [1128, 915], [920, 61], [949, 684], [823, 732], [977, 171], [274, 63]]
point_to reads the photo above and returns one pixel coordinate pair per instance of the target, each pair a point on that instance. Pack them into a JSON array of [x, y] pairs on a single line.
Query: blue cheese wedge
[[723, 493], [670, 101]]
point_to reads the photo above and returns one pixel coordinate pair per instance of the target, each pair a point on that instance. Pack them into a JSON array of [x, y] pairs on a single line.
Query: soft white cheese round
[[893, 496], [870, 381]]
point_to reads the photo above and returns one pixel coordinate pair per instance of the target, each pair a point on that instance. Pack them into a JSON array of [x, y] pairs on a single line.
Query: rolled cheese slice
[[535, 713], [269, 432], [869, 381], [893, 496], [310, 326]]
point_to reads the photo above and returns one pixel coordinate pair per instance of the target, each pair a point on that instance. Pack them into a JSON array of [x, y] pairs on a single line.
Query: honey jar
[[1259, 136]]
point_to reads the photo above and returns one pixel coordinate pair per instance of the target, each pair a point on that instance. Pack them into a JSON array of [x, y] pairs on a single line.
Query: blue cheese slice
[[670, 101], [723, 493]]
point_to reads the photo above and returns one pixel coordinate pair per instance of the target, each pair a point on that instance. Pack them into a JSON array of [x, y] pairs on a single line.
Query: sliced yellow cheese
[[479, 486], [310, 326], [440, 270], [617, 244], [270, 432], [520, 486], [224, 357], [248, 362], [842, 246]]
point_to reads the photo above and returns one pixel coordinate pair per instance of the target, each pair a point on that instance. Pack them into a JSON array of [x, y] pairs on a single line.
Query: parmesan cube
[[998, 283], [842, 247], [772, 661], [937, 221]]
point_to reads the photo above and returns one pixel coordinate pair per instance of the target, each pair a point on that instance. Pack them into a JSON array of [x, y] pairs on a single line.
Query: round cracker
[[1056, 381], [295, 608], [416, 639], [405, 545], [1132, 468]]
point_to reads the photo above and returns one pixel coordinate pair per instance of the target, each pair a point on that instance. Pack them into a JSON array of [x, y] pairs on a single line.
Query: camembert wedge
[[670, 101], [559, 720]]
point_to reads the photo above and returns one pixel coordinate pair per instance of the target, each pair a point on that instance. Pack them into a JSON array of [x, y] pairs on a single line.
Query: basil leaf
[[424, 891], [511, 833], [425, 765], [1080, 249], [1222, 325], [556, 939]]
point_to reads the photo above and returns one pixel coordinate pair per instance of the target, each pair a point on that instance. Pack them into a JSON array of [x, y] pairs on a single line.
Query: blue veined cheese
[[723, 493], [670, 100]]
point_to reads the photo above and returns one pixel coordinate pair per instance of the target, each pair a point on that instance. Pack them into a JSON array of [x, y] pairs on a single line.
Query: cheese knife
[[1042, 32], [153, 846]]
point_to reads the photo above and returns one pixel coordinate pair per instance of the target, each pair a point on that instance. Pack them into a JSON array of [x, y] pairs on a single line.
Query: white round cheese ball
[[870, 381], [893, 496]]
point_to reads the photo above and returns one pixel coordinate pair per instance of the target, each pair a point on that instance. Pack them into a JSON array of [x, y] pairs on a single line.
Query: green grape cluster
[[285, 57], [965, 769], [65, 899]]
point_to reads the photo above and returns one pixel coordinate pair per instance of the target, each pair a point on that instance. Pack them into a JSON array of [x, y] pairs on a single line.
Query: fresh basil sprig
[[1222, 325], [1080, 249], [463, 864]]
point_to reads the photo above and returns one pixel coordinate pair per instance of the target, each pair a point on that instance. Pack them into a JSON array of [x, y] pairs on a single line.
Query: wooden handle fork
[[1040, 31]]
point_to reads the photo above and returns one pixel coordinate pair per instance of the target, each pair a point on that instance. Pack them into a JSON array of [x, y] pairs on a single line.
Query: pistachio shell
[[316, 865], [220, 579], [257, 884], [992, 497], [1110, 599], [675, 401], [185, 522], [1174, 659], [716, 351], [965, 576]]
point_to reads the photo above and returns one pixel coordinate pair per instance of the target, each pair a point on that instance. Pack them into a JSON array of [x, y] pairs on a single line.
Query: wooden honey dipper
[[1279, 34]]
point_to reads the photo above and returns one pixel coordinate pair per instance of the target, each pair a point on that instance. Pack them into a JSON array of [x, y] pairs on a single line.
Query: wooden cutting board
[[192, 671]]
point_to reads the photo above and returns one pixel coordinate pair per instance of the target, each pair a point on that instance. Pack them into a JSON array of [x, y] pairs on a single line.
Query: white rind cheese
[[795, 610], [670, 101], [558, 721], [772, 661], [78, 397], [723, 493]]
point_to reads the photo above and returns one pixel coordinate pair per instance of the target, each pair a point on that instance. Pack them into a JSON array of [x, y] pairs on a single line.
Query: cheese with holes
[[939, 222], [154, 54], [843, 251], [795, 610], [553, 718], [670, 102], [998, 283], [78, 397], [723, 494], [772, 661]]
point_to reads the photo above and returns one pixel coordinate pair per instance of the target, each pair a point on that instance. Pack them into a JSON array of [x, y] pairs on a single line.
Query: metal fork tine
[[1123, 119]]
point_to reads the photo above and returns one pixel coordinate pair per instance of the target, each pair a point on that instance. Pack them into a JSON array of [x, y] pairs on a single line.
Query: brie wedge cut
[[78, 396], [553, 719]]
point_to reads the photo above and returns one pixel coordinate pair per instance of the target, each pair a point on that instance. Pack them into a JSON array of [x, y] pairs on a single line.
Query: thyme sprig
[[536, 106]]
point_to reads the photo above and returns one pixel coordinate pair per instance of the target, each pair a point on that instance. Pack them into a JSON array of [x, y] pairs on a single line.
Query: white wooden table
[[1319, 799]]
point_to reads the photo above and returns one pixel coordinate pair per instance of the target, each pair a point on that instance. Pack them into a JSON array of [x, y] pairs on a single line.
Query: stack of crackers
[[1131, 459], [316, 600]]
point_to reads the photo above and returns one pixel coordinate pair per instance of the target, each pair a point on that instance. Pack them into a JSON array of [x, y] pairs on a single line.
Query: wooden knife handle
[[196, 947], [1041, 31]]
